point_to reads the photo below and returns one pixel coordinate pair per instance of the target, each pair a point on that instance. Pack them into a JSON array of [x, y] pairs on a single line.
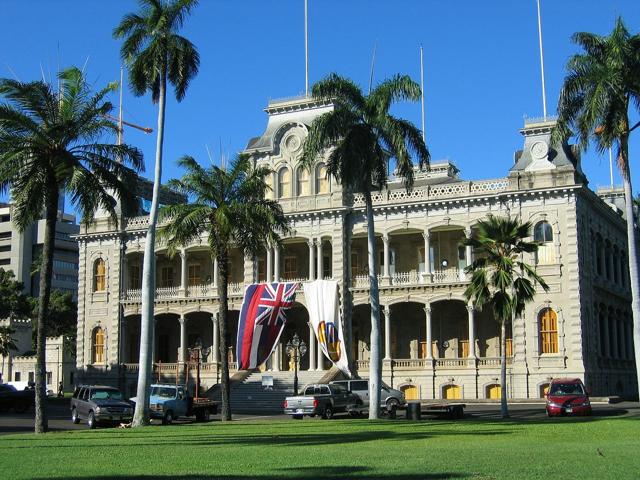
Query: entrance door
[[494, 392], [451, 392], [410, 392]]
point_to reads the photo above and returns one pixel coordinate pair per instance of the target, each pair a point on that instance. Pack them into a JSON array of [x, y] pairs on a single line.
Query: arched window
[[548, 331], [303, 182], [98, 345], [543, 234], [284, 183], [322, 181], [99, 276]]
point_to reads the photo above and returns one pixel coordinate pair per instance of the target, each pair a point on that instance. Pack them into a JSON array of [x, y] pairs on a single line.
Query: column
[[387, 332], [277, 360], [427, 258], [472, 332], [319, 259], [312, 348], [385, 241], [269, 276], [276, 263], [183, 338], [125, 274], [311, 260], [215, 272], [467, 251], [427, 324], [320, 357], [183, 272], [605, 324], [613, 322], [215, 357]]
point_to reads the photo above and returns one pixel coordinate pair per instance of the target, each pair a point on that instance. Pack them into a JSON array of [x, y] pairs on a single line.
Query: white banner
[[324, 315]]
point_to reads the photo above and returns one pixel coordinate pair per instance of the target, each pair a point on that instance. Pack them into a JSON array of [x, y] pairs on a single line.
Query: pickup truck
[[324, 400], [168, 402], [19, 400]]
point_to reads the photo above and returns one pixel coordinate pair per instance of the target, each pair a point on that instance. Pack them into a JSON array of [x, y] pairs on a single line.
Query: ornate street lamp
[[196, 354], [296, 349]]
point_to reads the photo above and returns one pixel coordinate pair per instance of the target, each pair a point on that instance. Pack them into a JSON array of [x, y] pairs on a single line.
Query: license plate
[[298, 410], [569, 410]]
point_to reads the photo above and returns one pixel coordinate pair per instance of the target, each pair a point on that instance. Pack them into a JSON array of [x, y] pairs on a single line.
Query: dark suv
[[99, 404]]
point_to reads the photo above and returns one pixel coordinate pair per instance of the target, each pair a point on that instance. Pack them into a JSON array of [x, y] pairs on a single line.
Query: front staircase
[[249, 396]]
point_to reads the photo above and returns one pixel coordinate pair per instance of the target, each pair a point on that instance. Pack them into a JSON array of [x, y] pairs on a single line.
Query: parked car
[[168, 402], [389, 397], [18, 400], [99, 404], [567, 396], [325, 400]]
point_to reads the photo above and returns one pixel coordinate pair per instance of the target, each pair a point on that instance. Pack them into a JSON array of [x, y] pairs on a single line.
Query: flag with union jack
[[262, 319]]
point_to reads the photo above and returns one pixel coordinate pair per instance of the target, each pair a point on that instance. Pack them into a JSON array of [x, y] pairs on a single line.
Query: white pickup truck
[[324, 400]]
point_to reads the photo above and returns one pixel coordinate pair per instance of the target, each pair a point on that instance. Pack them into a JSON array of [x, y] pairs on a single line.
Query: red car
[[567, 396]]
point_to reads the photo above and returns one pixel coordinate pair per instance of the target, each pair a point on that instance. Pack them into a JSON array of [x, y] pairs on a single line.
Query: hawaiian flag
[[262, 320]]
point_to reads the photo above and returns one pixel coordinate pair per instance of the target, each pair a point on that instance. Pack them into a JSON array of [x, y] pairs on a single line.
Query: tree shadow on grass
[[213, 438], [316, 473]]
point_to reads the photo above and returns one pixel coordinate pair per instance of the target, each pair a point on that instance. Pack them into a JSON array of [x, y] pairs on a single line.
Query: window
[[32, 377], [322, 181], [543, 234], [284, 183], [134, 276], [194, 274], [5, 261], [5, 235], [303, 182], [355, 267], [99, 272], [326, 267], [49, 378], [166, 277], [548, 331], [98, 345], [262, 271], [290, 267], [17, 376], [509, 340]]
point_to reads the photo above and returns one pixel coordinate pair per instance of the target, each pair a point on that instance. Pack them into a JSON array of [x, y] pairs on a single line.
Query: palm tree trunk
[[504, 411], [633, 253], [41, 421], [375, 361], [223, 285], [147, 324]]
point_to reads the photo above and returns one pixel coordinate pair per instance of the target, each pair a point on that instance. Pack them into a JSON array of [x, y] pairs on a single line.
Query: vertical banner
[[262, 319], [324, 315]]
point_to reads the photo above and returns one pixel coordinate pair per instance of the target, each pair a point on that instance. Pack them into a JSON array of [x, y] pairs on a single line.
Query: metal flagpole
[[544, 94], [422, 91], [611, 167], [373, 64], [306, 50], [120, 126]]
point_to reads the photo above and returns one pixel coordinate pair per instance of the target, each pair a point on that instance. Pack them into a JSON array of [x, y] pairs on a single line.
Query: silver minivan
[[389, 397]]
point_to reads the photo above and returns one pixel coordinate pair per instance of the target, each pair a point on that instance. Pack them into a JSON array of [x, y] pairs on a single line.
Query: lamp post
[[296, 349], [196, 354]]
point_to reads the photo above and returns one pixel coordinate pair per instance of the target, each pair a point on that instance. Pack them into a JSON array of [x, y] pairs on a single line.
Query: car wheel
[[328, 413], [74, 416], [392, 403], [21, 407], [168, 418], [91, 421]]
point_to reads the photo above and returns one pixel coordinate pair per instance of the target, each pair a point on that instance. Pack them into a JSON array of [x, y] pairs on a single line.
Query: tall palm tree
[[229, 207], [7, 345], [600, 90], [154, 53], [500, 279], [359, 136], [50, 146]]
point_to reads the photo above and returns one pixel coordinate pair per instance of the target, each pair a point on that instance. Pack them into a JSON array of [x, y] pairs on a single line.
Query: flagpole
[[306, 50], [373, 64], [422, 91], [544, 94], [120, 126]]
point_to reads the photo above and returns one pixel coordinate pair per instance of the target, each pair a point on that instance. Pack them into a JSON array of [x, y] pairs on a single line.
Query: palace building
[[435, 344]]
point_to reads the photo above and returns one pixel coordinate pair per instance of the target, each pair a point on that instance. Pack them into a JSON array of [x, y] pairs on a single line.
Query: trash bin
[[413, 411]]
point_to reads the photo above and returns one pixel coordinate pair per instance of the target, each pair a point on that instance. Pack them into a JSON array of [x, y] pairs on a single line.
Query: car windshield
[[566, 389], [106, 394], [163, 392]]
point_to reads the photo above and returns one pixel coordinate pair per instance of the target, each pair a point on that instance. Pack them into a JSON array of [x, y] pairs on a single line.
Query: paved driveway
[[59, 415]]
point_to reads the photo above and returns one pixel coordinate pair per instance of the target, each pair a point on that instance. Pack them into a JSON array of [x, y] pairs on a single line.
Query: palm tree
[[359, 135], [49, 147], [229, 207], [602, 86], [155, 53], [500, 279], [6, 344]]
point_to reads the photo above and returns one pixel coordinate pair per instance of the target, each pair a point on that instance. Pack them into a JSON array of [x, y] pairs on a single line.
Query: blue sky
[[481, 65]]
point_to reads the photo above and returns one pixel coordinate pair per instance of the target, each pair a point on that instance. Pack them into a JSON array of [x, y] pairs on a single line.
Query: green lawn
[[563, 449]]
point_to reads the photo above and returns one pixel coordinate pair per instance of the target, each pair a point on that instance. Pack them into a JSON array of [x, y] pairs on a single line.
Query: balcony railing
[[453, 275], [439, 363], [202, 291]]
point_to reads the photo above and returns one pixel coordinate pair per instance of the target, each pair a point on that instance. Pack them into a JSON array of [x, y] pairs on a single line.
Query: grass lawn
[[559, 450]]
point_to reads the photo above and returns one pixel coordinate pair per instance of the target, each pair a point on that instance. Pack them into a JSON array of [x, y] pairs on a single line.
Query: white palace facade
[[435, 344]]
